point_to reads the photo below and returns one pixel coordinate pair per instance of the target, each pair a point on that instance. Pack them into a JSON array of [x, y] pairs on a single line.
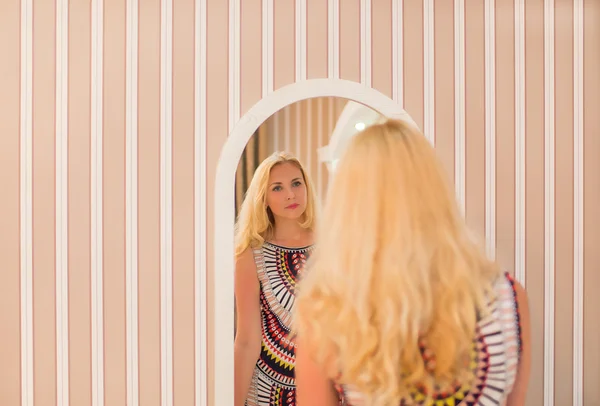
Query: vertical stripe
[[276, 133], [80, 369], [459, 103], [534, 193], [26, 202], [267, 47], [13, 386], [166, 201], [284, 54], [413, 54], [320, 126], [333, 39], [444, 106], [61, 195], [234, 63], [97, 237], [300, 40], [505, 133], [333, 159], [149, 264], [131, 205], [309, 133], [316, 39], [475, 116], [286, 129], [549, 212], [520, 141], [365, 43], [114, 190], [578, 208], [590, 54], [201, 292], [397, 52], [490, 128], [297, 129], [429, 67]]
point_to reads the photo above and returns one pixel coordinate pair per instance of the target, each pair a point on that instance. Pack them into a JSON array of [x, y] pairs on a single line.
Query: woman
[[274, 238], [399, 305]]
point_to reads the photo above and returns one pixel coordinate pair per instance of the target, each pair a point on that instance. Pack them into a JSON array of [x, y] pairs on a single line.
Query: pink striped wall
[[112, 117]]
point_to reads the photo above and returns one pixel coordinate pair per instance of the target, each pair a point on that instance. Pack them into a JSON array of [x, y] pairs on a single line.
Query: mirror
[[315, 131], [274, 114]]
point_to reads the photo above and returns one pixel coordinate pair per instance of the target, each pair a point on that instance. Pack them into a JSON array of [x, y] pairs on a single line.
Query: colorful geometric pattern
[[494, 359], [273, 381]]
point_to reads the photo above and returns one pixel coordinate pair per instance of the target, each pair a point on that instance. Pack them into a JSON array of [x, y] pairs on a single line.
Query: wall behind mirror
[[113, 114]]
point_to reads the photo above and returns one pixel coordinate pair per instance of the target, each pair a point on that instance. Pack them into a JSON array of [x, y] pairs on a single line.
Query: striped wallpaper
[[112, 117]]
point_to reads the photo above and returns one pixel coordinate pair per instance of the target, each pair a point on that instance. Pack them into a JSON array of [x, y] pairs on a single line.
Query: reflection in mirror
[[281, 179]]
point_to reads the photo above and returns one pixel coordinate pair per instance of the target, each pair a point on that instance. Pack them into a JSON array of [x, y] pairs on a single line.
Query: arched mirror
[[303, 119]]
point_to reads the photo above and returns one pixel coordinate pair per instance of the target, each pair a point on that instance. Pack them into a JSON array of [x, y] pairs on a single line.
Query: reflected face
[[286, 191]]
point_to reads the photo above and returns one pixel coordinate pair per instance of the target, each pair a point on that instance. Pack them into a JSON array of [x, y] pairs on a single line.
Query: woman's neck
[[287, 230]]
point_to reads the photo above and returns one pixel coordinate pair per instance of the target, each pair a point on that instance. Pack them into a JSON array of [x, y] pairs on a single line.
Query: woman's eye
[[297, 183], [276, 188]]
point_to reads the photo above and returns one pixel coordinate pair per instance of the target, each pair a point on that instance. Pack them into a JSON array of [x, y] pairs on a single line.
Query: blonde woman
[[274, 238], [399, 305]]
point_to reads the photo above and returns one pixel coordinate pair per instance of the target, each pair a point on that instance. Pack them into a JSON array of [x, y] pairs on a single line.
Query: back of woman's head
[[256, 222], [394, 268]]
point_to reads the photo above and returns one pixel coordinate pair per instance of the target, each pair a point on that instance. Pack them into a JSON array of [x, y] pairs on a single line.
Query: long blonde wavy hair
[[255, 222], [394, 267]]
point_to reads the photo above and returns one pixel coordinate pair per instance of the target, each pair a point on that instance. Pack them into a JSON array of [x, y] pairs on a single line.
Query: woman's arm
[[312, 383], [519, 392], [248, 331]]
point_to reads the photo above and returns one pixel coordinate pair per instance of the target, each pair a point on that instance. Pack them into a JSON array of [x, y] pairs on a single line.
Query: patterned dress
[[494, 358], [273, 381]]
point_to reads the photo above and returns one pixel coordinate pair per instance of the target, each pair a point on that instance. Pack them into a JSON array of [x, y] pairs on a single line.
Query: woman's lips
[[292, 206]]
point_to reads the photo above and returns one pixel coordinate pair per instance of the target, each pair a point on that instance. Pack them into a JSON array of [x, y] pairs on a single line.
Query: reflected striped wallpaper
[[112, 117]]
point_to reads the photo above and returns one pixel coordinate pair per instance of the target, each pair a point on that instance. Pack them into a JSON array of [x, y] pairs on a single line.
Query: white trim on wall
[[333, 39], [309, 134], [234, 62], [429, 70], [62, 202], [366, 58], [276, 133], [398, 51], [166, 202], [267, 47], [549, 209], [224, 212], [578, 209], [301, 50], [131, 202], [286, 128], [490, 127], [297, 130], [320, 142], [26, 202], [519, 21], [459, 104], [200, 198], [97, 220]]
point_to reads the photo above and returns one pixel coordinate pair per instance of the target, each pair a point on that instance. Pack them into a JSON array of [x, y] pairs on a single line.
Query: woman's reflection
[[274, 238]]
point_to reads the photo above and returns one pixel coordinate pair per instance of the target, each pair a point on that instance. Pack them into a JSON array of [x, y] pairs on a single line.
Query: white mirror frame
[[223, 282]]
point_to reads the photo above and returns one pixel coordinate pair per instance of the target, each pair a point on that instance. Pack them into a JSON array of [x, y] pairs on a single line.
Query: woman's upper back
[[495, 355]]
